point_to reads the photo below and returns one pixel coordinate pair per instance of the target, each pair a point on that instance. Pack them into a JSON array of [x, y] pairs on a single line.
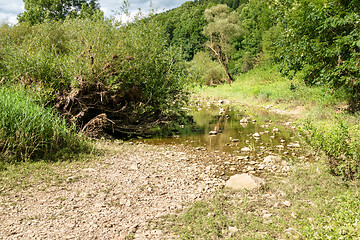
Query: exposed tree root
[[97, 110]]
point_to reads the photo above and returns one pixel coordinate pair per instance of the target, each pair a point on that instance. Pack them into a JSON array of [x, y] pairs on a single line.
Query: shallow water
[[217, 127]]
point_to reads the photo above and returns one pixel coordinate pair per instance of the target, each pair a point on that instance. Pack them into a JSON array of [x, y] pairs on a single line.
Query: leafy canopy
[[37, 11]]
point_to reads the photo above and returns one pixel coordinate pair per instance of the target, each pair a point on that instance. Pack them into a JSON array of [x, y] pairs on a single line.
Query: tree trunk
[[229, 79]]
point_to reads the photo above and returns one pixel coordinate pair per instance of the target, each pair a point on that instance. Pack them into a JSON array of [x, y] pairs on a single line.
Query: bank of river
[[135, 183], [241, 138]]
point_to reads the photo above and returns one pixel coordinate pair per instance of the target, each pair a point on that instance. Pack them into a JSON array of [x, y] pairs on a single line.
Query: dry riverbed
[[110, 198]]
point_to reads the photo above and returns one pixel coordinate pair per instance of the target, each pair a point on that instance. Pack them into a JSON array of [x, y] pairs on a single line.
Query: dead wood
[[96, 109]]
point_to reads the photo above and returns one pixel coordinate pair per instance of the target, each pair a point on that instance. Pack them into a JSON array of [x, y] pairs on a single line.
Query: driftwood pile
[[98, 110]]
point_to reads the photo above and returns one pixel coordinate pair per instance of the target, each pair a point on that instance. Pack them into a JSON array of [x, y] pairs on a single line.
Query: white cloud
[[10, 9]]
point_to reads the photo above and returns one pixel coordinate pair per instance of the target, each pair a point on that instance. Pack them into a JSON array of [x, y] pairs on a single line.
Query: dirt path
[[112, 199]]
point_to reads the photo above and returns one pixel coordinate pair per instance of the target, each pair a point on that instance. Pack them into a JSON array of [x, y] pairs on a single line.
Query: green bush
[[29, 131], [341, 145], [205, 70], [128, 72]]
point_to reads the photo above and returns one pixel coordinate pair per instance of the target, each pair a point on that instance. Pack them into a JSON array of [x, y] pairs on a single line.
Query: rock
[[243, 125], [275, 130], [244, 120], [250, 168], [244, 181], [267, 215], [245, 149], [287, 203], [271, 158], [261, 167], [296, 145], [234, 139], [233, 230], [134, 167], [256, 135], [280, 147]]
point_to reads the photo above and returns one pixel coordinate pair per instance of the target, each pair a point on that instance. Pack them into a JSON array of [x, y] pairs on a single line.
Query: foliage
[[38, 11], [206, 70], [340, 145], [184, 26], [234, 4], [29, 130], [323, 38], [130, 73], [255, 18], [221, 29]]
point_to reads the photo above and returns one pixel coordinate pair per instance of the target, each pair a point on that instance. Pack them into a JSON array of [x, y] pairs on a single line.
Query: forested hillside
[[319, 38]]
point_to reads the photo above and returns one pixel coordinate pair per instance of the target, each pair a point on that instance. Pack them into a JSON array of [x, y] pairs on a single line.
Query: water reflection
[[226, 129]]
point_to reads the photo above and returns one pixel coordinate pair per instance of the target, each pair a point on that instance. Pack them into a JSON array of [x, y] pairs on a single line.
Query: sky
[[9, 9]]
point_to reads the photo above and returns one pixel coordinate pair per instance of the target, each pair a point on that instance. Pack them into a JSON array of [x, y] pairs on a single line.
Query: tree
[[37, 11], [321, 39], [222, 27], [184, 26]]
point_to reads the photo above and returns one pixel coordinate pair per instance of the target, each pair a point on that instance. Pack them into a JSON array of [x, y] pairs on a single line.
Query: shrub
[[206, 70], [90, 67]]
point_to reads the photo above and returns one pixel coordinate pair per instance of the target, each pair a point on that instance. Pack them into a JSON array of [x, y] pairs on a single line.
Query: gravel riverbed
[[113, 198]]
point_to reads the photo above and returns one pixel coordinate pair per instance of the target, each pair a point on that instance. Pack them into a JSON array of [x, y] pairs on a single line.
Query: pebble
[[245, 149], [287, 203]]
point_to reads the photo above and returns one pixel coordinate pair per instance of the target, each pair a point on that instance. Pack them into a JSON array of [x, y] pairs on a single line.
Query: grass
[[322, 207], [263, 86], [28, 130], [17, 177]]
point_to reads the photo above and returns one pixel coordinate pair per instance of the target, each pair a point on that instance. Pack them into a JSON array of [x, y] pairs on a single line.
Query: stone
[[244, 120], [256, 135], [287, 203], [275, 130], [244, 181], [271, 158], [261, 167], [296, 145], [233, 230], [245, 149]]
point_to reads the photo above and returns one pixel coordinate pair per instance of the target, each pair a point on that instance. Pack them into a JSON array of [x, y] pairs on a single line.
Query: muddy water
[[240, 135]]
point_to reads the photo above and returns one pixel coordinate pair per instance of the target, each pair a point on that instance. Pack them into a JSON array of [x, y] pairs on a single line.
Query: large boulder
[[244, 181]]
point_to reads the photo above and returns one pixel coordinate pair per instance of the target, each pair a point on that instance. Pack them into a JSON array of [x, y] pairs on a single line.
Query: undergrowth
[[28, 130], [341, 145]]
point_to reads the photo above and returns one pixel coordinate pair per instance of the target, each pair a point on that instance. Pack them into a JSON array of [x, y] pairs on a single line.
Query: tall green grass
[[339, 141], [28, 130]]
